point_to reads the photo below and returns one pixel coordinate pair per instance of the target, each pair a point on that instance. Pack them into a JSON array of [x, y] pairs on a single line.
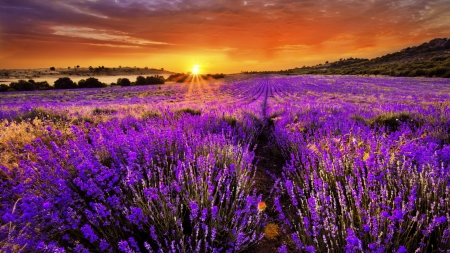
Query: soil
[[268, 159]]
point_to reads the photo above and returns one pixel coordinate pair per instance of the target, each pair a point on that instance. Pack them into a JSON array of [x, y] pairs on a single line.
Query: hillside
[[430, 59]]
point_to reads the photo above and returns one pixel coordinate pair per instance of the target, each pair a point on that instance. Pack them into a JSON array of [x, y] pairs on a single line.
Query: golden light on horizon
[[196, 69]]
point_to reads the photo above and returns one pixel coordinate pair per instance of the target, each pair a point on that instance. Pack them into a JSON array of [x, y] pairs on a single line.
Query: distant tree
[[78, 66], [123, 82], [140, 80], [91, 82], [68, 67], [42, 85], [3, 87], [65, 83], [22, 85], [52, 68], [91, 68], [154, 79]]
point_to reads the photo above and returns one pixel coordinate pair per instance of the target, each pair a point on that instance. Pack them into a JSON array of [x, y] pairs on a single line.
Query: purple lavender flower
[[283, 249], [89, 233], [401, 249]]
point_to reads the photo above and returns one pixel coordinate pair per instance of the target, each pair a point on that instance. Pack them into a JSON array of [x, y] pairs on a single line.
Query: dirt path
[[268, 160]]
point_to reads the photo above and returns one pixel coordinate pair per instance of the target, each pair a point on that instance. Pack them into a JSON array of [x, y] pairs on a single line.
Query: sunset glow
[[226, 36]]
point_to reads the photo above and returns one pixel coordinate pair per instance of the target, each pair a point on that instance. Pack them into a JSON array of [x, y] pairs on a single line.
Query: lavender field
[[363, 166]]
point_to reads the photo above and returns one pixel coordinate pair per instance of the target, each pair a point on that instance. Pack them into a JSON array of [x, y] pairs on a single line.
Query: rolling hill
[[430, 59]]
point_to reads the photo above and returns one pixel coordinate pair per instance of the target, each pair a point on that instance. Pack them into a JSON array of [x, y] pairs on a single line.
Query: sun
[[195, 69]]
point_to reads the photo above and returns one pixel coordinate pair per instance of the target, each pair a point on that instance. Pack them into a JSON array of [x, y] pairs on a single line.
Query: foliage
[[3, 87], [123, 82], [22, 85], [29, 85], [65, 83], [190, 111], [91, 82], [140, 80]]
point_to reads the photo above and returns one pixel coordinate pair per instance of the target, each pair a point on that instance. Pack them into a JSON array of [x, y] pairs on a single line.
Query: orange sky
[[220, 35]]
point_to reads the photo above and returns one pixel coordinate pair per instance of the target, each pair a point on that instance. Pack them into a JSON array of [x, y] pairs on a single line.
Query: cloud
[[111, 45], [80, 10], [104, 35]]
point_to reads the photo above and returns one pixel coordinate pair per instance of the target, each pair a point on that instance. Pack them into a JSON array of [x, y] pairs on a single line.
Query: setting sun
[[195, 69]]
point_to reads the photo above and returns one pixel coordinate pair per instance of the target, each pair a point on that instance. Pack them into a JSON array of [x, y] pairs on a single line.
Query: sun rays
[[198, 86]]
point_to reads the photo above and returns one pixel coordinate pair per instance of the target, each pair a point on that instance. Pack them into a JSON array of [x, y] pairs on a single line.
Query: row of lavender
[[170, 168], [368, 164], [368, 161], [164, 174]]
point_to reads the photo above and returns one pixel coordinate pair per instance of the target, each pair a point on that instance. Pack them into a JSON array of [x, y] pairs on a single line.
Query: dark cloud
[[262, 30]]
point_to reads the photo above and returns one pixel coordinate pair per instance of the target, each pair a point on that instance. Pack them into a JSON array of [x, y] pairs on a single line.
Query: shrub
[[100, 111], [123, 82], [65, 83], [190, 111], [392, 121], [22, 85], [91, 82], [140, 80], [3, 87]]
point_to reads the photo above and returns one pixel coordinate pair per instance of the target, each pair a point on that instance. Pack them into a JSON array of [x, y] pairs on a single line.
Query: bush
[[157, 79], [101, 111], [392, 121], [190, 111], [65, 83], [91, 82], [3, 87], [123, 82], [140, 80], [22, 85], [42, 85], [179, 77]]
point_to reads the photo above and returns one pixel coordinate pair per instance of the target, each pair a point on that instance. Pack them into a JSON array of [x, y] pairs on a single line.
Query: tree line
[[67, 83]]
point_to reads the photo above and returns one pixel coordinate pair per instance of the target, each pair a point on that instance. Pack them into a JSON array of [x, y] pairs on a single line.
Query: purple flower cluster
[[368, 167], [171, 184]]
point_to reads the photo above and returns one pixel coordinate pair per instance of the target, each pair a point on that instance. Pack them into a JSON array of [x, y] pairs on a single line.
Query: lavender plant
[[133, 187]]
